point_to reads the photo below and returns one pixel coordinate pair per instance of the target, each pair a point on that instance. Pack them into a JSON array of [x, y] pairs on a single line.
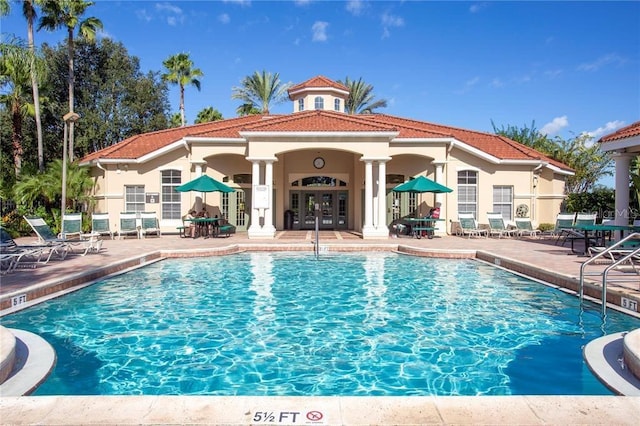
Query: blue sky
[[568, 66]]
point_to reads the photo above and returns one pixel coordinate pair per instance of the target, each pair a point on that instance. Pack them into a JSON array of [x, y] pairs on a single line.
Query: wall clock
[[318, 162]]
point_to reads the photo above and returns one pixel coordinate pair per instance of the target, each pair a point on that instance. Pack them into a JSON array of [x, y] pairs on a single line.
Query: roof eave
[[620, 144]]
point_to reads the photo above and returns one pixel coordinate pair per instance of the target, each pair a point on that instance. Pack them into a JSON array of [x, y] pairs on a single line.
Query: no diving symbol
[[314, 416]]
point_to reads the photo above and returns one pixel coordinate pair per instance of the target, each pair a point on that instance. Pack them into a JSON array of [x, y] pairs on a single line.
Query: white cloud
[[468, 85], [390, 21], [319, 30], [143, 15], [602, 61], [477, 7], [555, 125], [243, 3], [496, 82], [610, 127], [552, 73], [224, 18], [175, 14], [355, 7]]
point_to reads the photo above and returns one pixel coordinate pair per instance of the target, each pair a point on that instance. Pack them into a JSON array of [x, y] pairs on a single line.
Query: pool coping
[[606, 359]]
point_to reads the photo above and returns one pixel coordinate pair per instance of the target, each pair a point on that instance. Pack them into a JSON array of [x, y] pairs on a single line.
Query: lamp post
[[70, 117]]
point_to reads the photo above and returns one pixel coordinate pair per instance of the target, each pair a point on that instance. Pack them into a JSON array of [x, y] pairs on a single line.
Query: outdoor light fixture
[[70, 117]]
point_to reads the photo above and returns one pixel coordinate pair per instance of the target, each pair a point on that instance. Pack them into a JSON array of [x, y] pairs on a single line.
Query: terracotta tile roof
[[626, 132], [318, 81], [140, 145], [492, 144], [320, 121]]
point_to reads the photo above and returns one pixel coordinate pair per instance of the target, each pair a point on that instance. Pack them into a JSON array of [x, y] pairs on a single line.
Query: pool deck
[[538, 258]]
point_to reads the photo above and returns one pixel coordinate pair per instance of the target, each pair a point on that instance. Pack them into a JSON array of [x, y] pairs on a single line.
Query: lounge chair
[[71, 226], [100, 224], [525, 227], [45, 235], [48, 238], [13, 256], [469, 226], [498, 227], [149, 224], [128, 225]]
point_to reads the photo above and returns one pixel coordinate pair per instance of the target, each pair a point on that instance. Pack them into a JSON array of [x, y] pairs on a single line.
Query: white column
[[198, 195], [381, 225], [268, 227], [441, 227], [255, 217], [623, 162], [367, 228]]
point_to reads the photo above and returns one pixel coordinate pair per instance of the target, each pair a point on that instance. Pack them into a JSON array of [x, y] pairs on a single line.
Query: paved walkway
[[538, 258]]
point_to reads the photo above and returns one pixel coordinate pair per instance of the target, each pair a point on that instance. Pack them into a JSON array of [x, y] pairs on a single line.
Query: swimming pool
[[345, 324]]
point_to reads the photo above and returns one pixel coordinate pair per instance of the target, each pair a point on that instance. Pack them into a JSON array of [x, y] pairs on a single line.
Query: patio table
[[599, 232], [202, 226], [423, 226]]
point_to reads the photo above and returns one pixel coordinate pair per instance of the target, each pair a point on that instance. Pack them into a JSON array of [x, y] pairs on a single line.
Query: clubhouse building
[[287, 168]]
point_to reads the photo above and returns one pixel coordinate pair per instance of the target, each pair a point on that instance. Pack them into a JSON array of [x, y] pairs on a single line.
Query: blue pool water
[[345, 324]]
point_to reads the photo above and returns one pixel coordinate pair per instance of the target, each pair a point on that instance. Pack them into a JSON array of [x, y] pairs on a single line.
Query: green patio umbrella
[[422, 184], [204, 183]]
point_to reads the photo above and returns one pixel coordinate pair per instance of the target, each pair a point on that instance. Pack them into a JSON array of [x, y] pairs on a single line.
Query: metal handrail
[[605, 273]]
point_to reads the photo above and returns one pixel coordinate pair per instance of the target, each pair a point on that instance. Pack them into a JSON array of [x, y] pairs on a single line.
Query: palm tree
[[4, 7], [29, 12], [16, 64], [45, 188], [180, 71], [260, 90], [67, 14], [361, 98], [207, 115], [175, 120], [247, 109]]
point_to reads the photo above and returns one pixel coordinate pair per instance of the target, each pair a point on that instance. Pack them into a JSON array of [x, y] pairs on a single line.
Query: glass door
[[326, 208], [309, 212]]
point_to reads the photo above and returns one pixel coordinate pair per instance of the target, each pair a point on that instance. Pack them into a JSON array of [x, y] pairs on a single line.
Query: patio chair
[[149, 224], [572, 234], [498, 227], [47, 237], [100, 224], [71, 226], [564, 221], [469, 226], [525, 227], [128, 225]]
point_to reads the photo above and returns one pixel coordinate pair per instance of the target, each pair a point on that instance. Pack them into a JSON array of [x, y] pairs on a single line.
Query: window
[[336, 104], [503, 201], [468, 192], [134, 198], [413, 203], [171, 205], [319, 102], [301, 104]]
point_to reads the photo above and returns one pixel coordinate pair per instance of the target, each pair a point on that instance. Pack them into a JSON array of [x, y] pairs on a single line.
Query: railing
[[627, 251], [316, 247]]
